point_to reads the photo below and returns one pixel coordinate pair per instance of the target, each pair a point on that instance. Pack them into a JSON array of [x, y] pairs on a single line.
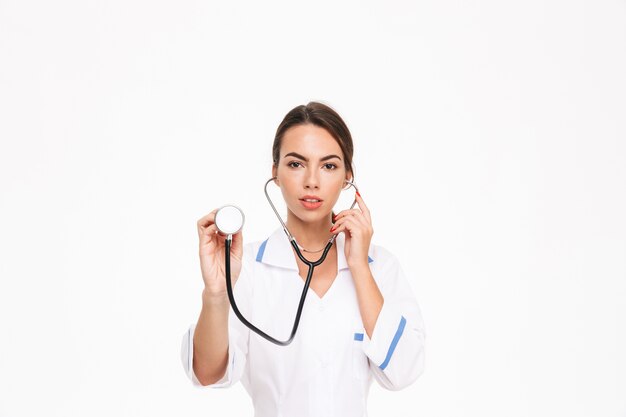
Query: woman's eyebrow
[[297, 155]]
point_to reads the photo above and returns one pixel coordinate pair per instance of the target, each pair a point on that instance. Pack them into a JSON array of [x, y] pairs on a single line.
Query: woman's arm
[[396, 346], [210, 339], [357, 227], [393, 322]]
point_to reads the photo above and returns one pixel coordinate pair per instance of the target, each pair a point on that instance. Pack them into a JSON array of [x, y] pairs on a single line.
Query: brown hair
[[320, 115]]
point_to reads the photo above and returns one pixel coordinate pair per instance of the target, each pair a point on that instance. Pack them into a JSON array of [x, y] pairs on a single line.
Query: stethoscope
[[229, 220]]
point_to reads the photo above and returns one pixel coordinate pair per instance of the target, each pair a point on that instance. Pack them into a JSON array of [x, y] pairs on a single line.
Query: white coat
[[328, 368]]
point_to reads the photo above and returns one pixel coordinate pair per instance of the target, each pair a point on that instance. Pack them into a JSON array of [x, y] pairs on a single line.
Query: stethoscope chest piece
[[229, 220]]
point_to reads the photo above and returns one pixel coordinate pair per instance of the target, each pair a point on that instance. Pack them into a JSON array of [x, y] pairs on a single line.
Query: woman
[[360, 320]]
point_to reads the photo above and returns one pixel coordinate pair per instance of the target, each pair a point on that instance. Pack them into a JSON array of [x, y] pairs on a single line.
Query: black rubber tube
[[231, 297]]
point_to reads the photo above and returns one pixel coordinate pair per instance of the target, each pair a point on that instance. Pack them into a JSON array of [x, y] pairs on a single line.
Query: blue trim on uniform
[[358, 336], [369, 260], [259, 255], [394, 342]]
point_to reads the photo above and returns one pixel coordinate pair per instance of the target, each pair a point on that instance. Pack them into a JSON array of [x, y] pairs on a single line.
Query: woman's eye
[[294, 164], [330, 166]]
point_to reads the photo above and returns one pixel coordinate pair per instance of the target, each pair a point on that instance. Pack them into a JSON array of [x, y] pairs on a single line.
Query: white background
[[490, 147]]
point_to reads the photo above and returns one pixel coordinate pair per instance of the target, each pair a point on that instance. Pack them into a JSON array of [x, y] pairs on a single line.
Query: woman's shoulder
[[252, 249]]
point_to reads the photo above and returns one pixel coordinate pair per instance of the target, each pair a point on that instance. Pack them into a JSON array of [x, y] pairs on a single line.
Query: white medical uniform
[[328, 368]]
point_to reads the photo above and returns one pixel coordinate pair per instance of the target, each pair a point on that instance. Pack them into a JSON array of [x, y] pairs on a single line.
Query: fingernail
[[359, 194], [332, 229]]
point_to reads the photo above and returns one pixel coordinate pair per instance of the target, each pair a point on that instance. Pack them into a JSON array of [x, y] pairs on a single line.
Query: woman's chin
[[311, 216]]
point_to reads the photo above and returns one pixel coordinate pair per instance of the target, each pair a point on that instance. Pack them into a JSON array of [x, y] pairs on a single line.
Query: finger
[[337, 216], [345, 213], [359, 218], [357, 214], [354, 227], [362, 213], [363, 207], [207, 220], [349, 224], [207, 234], [363, 221], [210, 230]]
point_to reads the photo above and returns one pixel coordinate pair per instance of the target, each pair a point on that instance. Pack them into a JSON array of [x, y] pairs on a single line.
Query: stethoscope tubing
[[309, 275], [231, 297]]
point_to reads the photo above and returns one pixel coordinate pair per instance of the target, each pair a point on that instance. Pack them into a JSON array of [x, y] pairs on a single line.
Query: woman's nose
[[311, 180]]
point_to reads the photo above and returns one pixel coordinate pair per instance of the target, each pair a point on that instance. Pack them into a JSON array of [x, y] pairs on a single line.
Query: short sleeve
[[238, 336], [396, 349]]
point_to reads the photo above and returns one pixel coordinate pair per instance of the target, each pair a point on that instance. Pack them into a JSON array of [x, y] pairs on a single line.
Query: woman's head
[[320, 115], [312, 159]]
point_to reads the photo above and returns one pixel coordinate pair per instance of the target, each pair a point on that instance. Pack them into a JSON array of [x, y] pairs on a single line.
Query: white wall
[[491, 149]]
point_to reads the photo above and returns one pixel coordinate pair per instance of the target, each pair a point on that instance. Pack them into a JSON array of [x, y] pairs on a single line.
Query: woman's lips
[[311, 202]]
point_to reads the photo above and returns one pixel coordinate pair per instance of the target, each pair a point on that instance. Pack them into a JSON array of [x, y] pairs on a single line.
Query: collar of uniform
[[277, 251]]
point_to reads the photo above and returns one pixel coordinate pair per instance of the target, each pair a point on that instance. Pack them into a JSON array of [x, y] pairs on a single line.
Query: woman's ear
[[275, 174]]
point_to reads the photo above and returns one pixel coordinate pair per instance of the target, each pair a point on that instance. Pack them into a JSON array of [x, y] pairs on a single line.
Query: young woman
[[360, 320]]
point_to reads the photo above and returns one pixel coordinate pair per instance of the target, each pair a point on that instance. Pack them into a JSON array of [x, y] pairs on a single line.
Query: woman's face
[[310, 172]]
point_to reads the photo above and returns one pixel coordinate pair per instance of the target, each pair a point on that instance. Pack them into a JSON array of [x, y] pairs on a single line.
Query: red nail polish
[[359, 194], [332, 229]]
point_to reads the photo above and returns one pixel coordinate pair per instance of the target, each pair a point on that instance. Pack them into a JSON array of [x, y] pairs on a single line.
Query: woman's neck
[[311, 235]]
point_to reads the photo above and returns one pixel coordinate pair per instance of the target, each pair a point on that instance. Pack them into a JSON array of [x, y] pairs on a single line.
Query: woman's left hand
[[357, 227]]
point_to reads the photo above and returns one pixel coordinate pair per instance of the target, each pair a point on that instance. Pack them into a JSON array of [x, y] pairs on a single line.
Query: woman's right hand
[[212, 254]]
